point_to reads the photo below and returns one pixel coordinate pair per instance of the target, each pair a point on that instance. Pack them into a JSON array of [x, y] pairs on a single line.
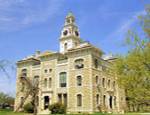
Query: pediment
[[47, 52]]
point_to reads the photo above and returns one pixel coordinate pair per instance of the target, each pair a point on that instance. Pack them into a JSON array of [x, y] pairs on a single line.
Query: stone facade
[[75, 76]]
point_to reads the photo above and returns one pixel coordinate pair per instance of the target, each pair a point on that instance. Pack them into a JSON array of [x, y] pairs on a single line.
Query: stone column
[[70, 20], [113, 105], [42, 103]]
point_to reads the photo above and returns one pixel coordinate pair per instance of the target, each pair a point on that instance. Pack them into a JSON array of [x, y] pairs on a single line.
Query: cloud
[[120, 32], [17, 14]]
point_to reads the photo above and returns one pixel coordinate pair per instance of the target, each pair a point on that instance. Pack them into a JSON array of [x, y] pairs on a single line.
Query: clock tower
[[70, 35]]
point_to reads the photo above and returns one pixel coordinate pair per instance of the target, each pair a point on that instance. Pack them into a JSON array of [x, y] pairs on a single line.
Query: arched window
[[108, 83], [37, 100], [79, 100], [24, 72], [63, 79], [45, 83], [22, 86], [97, 99], [104, 97], [50, 82], [79, 63], [103, 82], [79, 80], [65, 46], [96, 63], [21, 104], [36, 81], [96, 79]]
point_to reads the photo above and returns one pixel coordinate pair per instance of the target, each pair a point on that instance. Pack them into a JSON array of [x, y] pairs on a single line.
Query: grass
[[12, 113]]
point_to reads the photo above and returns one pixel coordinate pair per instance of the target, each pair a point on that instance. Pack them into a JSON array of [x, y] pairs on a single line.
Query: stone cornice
[[30, 60], [70, 36], [70, 24], [51, 56], [87, 50]]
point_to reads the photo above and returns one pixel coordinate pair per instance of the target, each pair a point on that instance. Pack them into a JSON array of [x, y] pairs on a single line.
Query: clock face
[[65, 32], [76, 33]]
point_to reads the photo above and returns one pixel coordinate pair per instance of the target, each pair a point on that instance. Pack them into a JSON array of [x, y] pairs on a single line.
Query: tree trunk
[[35, 110], [138, 108]]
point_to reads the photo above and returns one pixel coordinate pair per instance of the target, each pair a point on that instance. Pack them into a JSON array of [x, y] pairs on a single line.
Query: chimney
[[37, 53]]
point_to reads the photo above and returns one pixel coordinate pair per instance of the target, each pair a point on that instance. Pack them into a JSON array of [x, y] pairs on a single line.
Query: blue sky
[[30, 25]]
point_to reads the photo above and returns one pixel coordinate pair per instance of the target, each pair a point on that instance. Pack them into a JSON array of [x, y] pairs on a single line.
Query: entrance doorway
[[110, 102], [46, 102]]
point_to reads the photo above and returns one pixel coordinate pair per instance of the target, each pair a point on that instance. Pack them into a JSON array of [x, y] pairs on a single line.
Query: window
[[79, 100], [59, 98], [97, 99], [22, 86], [108, 83], [63, 79], [103, 82], [50, 70], [50, 82], [65, 47], [96, 63], [79, 64], [45, 83], [45, 71], [79, 80], [96, 79], [65, 99], [21, 104], [37, 100], [104, 97], [36, 81], [24, 73]]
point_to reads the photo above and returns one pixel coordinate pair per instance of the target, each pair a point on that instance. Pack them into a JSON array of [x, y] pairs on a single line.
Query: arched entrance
[[46, 102]]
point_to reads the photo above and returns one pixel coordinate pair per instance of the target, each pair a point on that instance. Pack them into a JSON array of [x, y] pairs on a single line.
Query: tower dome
[[70, 17]]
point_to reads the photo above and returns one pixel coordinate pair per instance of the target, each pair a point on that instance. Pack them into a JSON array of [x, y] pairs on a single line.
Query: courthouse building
[[75, 76]]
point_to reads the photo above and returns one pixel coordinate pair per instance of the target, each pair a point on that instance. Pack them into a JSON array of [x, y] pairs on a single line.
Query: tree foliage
[[133, 69], [57, 108], [6, 99], [28, 108]]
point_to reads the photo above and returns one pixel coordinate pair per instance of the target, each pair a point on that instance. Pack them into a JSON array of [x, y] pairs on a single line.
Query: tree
[[6, 99], [133, 69], [32, 89], [4, 64]]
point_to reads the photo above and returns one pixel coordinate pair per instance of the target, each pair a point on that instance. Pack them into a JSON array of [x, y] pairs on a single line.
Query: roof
[[47, 53], [28, 60], [80, 46], [70, 15], [85, 45]]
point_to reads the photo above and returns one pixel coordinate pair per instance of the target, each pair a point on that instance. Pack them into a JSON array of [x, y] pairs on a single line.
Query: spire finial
[[70, 11]]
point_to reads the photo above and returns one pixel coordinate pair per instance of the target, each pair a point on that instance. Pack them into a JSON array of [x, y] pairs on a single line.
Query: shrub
[[28, 108], [57, 108]]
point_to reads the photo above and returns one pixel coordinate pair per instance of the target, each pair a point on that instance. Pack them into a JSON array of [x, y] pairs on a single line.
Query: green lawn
[[12, 113]]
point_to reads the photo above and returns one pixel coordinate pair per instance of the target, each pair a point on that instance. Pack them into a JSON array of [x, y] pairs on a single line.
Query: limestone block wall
[[48, 70], [19, 93]]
